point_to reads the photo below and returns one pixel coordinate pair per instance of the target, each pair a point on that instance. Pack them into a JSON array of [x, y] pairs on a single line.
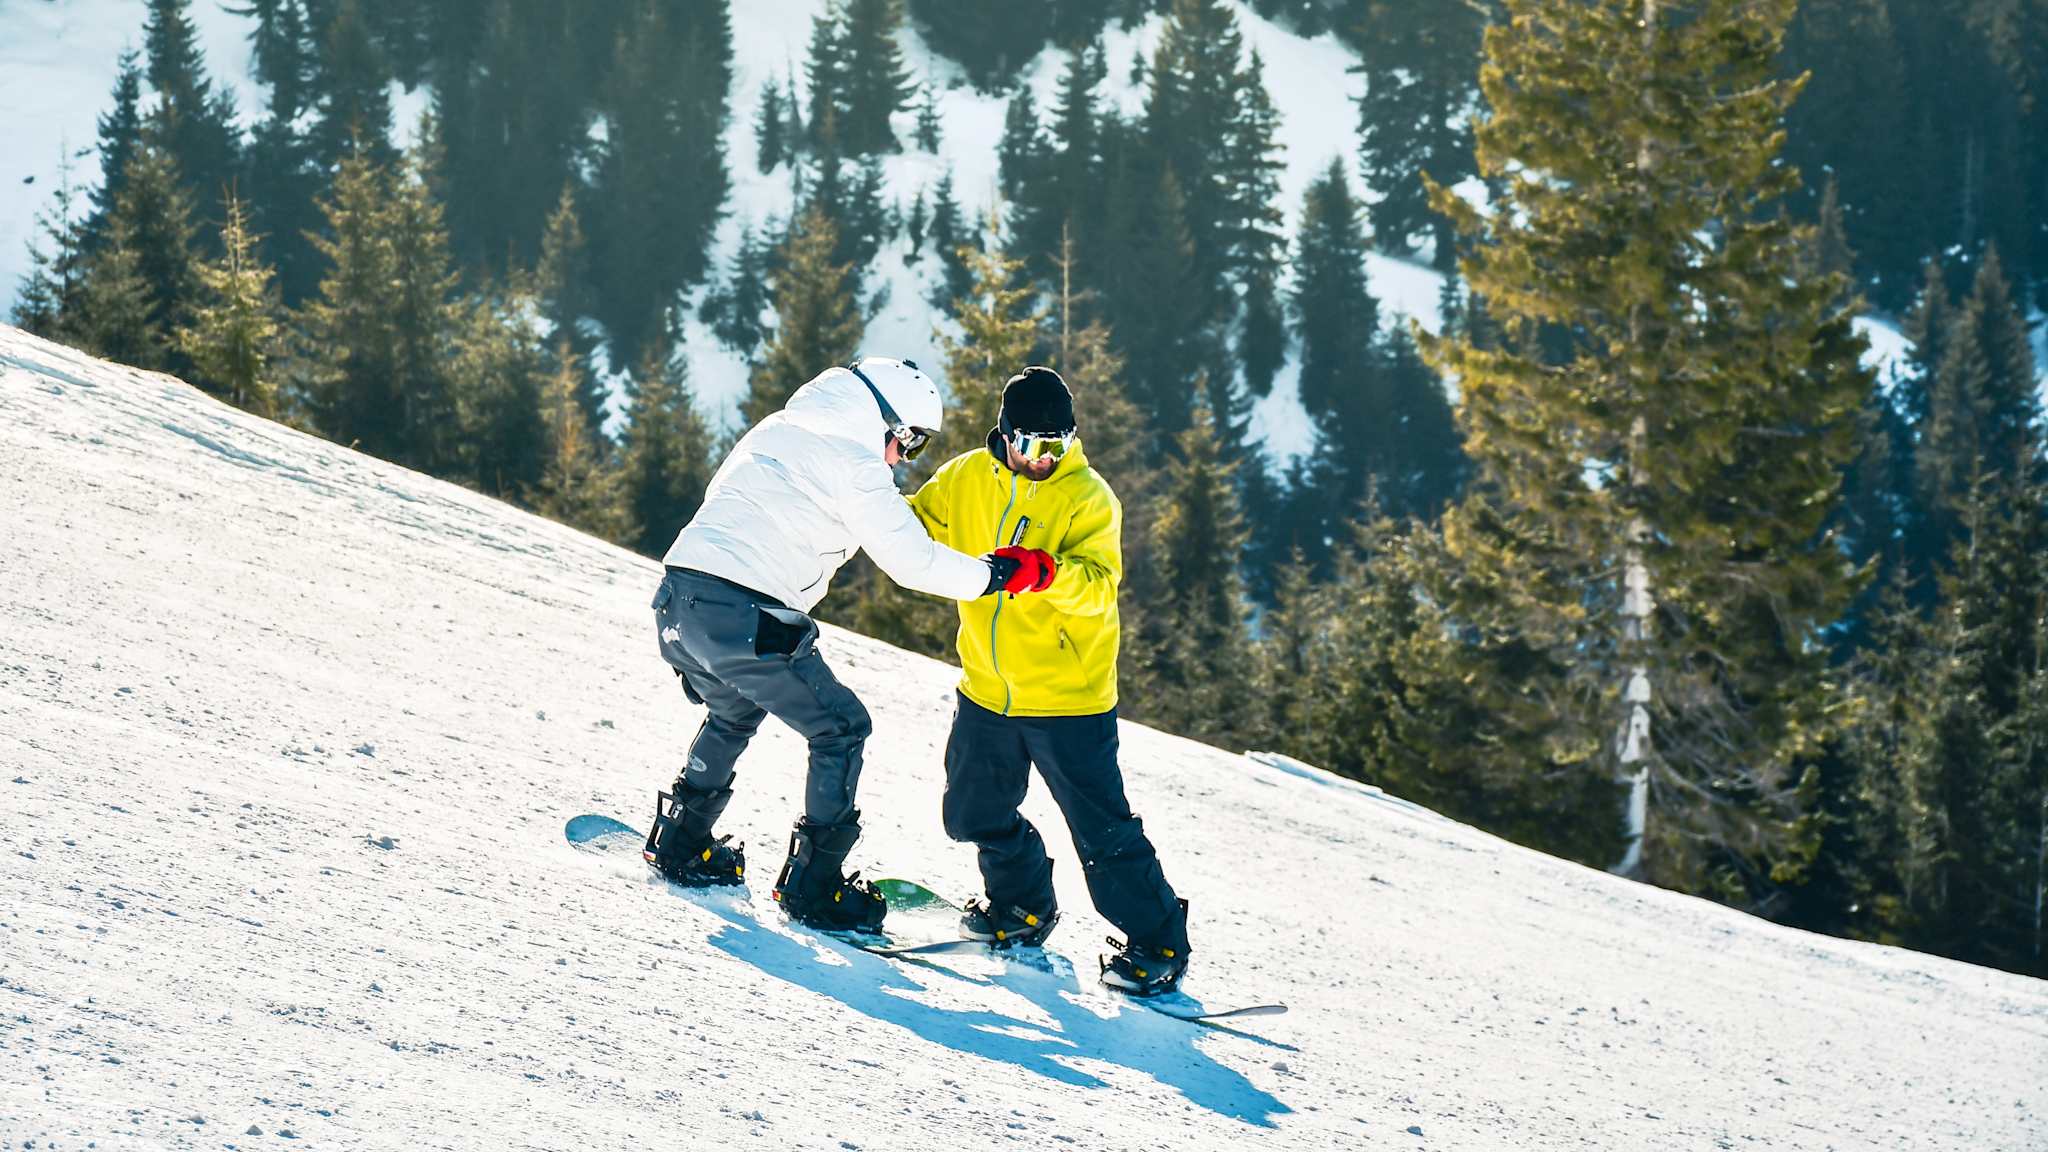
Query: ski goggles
[[1041, 445], [909, 437]]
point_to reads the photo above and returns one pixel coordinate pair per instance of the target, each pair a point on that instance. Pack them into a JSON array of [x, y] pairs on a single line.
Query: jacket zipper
[[993, 659]]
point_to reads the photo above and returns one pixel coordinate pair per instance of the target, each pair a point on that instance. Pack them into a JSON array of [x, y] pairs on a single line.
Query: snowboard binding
[[693, 861]]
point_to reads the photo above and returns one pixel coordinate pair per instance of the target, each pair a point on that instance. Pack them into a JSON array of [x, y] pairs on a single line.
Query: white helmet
[[908, 400]]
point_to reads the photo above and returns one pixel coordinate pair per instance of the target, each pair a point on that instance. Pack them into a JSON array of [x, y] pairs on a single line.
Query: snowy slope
[[288, 736]]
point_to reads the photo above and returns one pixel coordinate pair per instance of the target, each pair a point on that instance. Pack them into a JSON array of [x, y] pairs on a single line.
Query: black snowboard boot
[[680, 847], [1010, 927], [1149, 969], [814, 891]]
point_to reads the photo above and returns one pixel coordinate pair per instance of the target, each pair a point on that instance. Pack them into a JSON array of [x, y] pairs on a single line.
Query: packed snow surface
[[288, 737]]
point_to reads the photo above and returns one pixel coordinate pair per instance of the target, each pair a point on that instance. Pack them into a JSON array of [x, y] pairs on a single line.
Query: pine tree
[[1690, 583], [999, 328], [1021, 162], [991, 39], [1209, 121], [282, 179], [952, 240], [561, 282], [120, 134], [875, 82], [191, 121], [825, 68], [735, 312], [666, 453], [661, 177], [499, 366], [1296, 659], [378, 367], [817, 323], [916, 224], [771, 129], [1152, 294], [928, 120], [1343, 380], [422, 297], [578, 486], [1197, 662], [1856, 119], [1982, 408], [354, 103], [115, 313], [1420, 62], [1255, 230], [233, 339], [154, 214], [49, 300]]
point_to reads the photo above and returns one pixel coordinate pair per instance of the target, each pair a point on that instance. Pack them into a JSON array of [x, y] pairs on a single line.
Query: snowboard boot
[[1010, 927], [814, 891], [680, 847], [1149, 969]]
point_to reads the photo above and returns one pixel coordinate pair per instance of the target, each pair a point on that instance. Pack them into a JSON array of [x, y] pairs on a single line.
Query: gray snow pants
[[745, 656]]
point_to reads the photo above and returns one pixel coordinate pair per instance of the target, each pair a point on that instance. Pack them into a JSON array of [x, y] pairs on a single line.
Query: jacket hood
[[837, 405]]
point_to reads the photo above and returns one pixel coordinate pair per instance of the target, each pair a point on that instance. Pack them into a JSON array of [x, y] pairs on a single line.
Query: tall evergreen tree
[[120, 134], [1195, 674], [1983, 407], [735, 311], [667, 458], [234, 335], [578, 485], [1711, 387], [1420, 61], [661, 176], [499, 365], [817, 322], [155, 213], [825, 70], [999, 327], [876, 84], [928, 124], [192, 122], [283, 181], [377, 370], [992, 39], [561, 282], [950, 236], [514, 120], [115, 311], [49, 300], [772, 138], [353, 91]]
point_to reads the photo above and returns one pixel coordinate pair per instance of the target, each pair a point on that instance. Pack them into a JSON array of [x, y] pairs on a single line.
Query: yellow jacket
[[1050, 653]]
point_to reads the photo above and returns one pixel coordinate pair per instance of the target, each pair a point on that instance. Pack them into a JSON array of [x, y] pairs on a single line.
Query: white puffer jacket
[[802, 490]]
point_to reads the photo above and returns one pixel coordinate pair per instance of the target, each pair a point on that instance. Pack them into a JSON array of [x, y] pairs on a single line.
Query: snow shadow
[[1135, 1037]]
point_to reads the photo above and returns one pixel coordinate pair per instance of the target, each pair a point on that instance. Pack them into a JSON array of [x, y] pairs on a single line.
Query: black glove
[[1000, 570]]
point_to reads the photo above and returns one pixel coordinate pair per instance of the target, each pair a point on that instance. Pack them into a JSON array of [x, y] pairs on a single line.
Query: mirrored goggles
[[1042, 445], [911, 439]]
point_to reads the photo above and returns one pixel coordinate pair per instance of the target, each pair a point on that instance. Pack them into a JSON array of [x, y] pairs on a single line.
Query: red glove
[[1035, 569]]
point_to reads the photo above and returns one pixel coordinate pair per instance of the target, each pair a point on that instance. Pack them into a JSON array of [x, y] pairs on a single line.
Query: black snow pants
[[745, 656], [988, 767]]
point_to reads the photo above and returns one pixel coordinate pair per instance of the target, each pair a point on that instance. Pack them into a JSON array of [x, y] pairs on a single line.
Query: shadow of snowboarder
[[1130, 1036]]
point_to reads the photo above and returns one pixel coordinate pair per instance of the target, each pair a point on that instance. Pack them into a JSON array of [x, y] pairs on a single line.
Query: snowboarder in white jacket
[[797, 496]]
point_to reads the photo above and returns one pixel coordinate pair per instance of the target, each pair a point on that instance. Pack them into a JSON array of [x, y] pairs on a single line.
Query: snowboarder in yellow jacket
[[1038, 687]]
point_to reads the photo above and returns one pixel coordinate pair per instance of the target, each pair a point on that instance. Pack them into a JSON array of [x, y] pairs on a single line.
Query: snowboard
[[908, 900]]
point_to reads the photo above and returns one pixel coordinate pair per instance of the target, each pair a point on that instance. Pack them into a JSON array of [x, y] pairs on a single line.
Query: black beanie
[[1037, 400]]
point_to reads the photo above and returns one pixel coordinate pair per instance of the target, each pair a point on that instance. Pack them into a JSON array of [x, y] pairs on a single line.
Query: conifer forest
[[1636, 558]]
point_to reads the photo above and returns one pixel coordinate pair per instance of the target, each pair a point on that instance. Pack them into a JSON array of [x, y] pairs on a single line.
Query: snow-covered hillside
[[288, 737]]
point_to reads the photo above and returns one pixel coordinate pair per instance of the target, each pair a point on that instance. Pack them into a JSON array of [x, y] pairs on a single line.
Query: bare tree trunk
[[1632, 745]]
